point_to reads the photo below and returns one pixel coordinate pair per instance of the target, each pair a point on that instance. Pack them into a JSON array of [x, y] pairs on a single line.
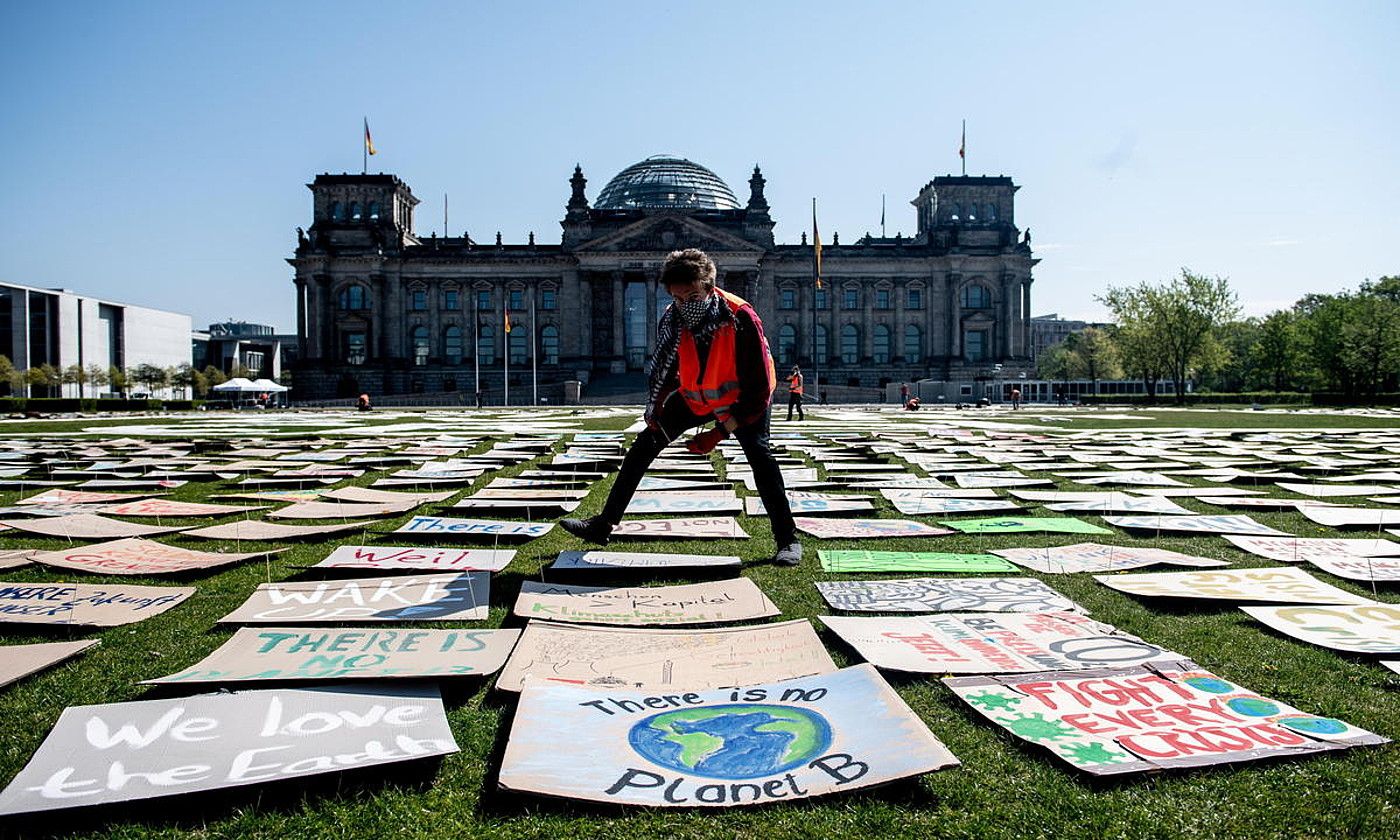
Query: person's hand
[[706, 441]]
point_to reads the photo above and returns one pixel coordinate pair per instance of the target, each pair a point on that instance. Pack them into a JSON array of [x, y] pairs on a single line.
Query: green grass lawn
[[1004, 788]]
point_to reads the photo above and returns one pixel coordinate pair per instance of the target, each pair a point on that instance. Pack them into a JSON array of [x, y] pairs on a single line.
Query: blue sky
[[156, 152]]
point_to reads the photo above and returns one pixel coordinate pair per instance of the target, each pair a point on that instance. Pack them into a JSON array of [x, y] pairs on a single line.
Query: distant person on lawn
[[711, 363], [794, 382]]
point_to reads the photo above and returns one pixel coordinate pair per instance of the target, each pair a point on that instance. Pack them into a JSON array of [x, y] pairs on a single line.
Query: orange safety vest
[[718, 385], [795, 384]]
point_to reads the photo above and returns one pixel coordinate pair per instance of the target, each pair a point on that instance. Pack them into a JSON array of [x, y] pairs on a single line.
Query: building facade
[[239, 345], [60, 328], [382, 310]]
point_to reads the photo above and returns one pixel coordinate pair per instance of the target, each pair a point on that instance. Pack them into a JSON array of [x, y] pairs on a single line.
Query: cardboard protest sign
[[1370, 628], [139, 557], [681, 502], [688, 659], [827, 529], [638, 560], [372, 496], [254, 529], [653, 484], [1155, 716], [452, 597], [1024, 525], [780, 741], [736, 599], [84, 526], [1298, 549], [986, 480], [122, 752], [80, 497], [1339, 516], [297, 495], [1351, 567], [1282, 585], [1129, 477], [992, 643], [944, 595], [1335, 491], [1393, 665], [484, 529], [165, 507], [517, 494], [856, 560], [324, 653], [1120, 503], [719, 527], [85, 604], [526, 508], [19, 661], [391, 558], [16, 557], [336, 509], [811, 505], [1092, 557], [929, 506], [1195, 524]]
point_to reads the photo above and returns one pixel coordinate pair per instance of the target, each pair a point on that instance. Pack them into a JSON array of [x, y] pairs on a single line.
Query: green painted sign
[[1025, 524], [912, 561]]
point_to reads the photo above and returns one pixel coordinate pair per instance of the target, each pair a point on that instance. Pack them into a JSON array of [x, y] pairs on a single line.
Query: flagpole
[[444, 215], [534, 354], [505, 357], [816, 287], [882, 215], [476, 337], [962, 150], [364, 150]]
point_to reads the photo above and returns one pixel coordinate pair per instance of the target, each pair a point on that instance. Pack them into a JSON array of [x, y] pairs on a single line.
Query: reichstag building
[[384, 311]]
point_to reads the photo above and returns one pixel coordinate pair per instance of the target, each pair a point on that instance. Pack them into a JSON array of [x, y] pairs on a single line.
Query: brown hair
[[685, 267]]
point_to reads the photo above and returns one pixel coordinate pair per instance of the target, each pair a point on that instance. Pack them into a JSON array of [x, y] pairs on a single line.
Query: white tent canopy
[[268, 386], [238, 384]]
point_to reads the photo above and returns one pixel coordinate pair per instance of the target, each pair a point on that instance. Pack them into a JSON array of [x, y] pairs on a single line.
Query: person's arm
[[751, 357], [663, 380]]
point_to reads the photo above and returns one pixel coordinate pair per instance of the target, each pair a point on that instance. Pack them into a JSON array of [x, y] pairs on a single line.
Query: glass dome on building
[[666, 181]]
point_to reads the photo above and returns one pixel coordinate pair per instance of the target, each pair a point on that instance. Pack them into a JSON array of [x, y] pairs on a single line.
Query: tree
[[182, 376], [151, 377], [75, 374], [97, 375], [1097, 355], [1227, 364], [44, 376], [1277, 352], [1176, 320], [10, 377], [116, 377]]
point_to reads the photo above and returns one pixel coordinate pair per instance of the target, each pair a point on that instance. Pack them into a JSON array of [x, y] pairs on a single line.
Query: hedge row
[[70, 405], [1204, 398]]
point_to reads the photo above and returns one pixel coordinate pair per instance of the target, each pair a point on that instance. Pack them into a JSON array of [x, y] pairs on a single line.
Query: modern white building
[[61, 328]]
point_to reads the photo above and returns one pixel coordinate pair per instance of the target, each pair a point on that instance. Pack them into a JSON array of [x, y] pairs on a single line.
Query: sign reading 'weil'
[[126, 751]]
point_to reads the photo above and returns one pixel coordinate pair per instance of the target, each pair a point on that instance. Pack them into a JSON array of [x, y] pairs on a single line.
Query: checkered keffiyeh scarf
[[668, 344]]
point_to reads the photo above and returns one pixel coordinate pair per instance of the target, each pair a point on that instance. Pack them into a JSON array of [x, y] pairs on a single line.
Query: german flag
[[507, 320], [369, 141]]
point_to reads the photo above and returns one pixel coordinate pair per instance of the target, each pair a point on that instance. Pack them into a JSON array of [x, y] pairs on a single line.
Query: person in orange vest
[[711, 363], [795, 393]]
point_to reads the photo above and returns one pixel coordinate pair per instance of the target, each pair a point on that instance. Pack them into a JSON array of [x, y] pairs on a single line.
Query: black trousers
[[674, 418], [795, 399]]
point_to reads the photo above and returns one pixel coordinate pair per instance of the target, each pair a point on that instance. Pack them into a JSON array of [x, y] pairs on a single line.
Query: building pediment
[[667, 232]]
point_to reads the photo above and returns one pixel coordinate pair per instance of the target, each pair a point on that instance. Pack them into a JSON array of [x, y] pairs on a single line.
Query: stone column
[[379, 287], [1026, 326], [301, 318], [325, 313], [954, 316], [1005, 319], [619, 317], [651, 311]]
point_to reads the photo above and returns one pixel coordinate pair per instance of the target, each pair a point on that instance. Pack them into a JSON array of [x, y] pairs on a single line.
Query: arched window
[[850, 344], [972, 212], [549, 344], [881, 354], [452, 345], [420, 345], [913, 344], [823, 350], [353, 298], [787, 343], [337, 211], [954, 212], [354, 211], [374, 211], [486, 345], [976, 296], [991, 212], [519, 344], [354, 348]]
